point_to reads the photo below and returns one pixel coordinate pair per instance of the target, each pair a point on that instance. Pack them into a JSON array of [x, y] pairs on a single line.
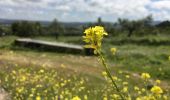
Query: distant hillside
[[66, 24], [10, 21]]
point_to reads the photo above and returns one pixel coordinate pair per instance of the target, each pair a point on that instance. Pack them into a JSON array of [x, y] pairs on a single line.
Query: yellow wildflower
[[105, 98], [143, 89], [125, 83], [113, 50], [76, 98], [125, 89], [138, 98], [20, 89], [104, 73], [115, 96], [165, 97], [136, 88], [38, 98], [114, 78], [145, 76], [158, 81], [85, 97], [93, 36], [156, 90], [127, 76], [41, 71]]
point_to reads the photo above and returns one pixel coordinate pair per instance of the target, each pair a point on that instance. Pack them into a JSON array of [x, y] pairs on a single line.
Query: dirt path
[[3, 95]]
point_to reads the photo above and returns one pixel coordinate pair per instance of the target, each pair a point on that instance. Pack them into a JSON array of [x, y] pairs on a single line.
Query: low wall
[[52, 46]]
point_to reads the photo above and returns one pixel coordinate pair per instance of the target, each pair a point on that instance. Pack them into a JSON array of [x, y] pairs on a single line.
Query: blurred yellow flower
[[156, 90], [76, 98], [136, 88], [41, 71], [38, 98], [125, 89], [85, 97], [127, 76], [20, 89], [125, 83], [114, 78], [143, 89], [104, 73], [105, 98], [158, 81], [113, 51], [145, 76]]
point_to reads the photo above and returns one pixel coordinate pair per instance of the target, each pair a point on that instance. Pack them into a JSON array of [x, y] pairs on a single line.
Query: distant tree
[[135, 25], [37, 28], [56, 28], [164, 27], [15, 28], [164, 24], [23, 28], [1, 31], [130, 26], [99, 21]]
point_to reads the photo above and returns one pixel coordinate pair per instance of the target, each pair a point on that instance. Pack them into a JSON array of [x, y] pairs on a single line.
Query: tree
[[130, 26], [135, 25], [56, 28], [23, 28], [99, 21], [15, 28], [37, 28]]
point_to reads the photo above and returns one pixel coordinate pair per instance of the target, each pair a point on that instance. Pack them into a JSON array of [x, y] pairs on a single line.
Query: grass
[[132, 59]]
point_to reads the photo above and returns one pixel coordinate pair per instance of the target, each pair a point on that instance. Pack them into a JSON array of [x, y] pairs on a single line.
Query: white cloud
[[161, 5], [84, 10]]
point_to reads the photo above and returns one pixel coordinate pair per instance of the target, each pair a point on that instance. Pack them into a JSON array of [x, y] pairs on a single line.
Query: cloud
[[84, 10]]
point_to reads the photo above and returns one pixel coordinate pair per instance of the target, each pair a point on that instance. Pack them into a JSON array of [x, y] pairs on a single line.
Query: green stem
[[109, 74]]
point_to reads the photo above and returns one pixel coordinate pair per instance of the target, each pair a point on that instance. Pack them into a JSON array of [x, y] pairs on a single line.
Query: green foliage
[[56, 28], [25, 28]]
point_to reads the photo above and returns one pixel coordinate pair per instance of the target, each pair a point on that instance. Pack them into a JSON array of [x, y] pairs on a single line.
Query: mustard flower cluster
[[93, 37]]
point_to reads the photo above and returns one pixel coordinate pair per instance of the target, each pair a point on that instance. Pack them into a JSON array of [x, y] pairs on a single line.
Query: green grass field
[[55, 74]]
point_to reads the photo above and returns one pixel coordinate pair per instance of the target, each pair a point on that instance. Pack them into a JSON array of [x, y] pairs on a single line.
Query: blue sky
[[84, 10]]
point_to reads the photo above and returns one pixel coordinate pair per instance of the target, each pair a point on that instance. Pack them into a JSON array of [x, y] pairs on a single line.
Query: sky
[[84, 10]]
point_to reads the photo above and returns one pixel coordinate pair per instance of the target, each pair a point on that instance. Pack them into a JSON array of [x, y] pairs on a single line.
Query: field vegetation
[[32, 74]]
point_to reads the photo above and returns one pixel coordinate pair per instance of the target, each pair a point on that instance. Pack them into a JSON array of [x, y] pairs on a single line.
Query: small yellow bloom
[[113, 50], [105, 98], [38, 98], [20, 89], [115, 96], [156, 90], [138, 98], [136, 88], [127, 76], [23, 78], [165, 97], [145, 76], [104, 73], [125, 89], [85, 97], [143, 89], [125, 83], [158, 81], [76, 98], [41, 71], [114, 78]]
